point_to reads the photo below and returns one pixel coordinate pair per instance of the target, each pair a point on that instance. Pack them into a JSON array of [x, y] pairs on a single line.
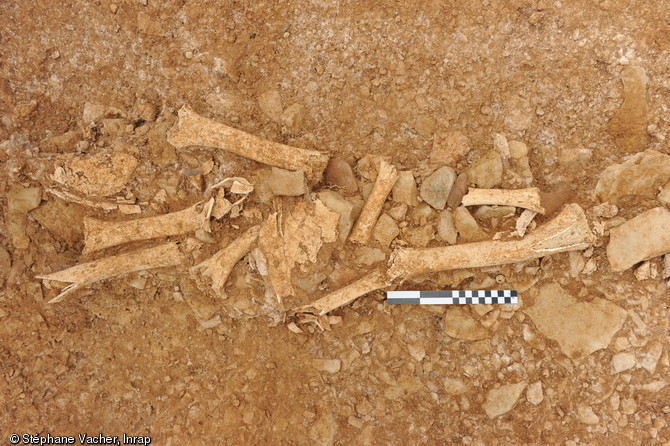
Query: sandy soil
[[583, 358]]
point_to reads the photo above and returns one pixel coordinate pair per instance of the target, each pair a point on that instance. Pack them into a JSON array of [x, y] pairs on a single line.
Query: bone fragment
[[219, 266], [103, 234], [346, 295], [568, 231], [386, 179], [86, 274], [523, 222], [195, 130], [67, 196], [522, 198]]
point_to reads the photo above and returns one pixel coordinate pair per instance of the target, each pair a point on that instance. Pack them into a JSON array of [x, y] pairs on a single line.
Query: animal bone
[[195, 130], [524, 221], [346, 295], [522, 198], [386, 179], [221, 264], [103, 234], [85, 274], [568, 231]]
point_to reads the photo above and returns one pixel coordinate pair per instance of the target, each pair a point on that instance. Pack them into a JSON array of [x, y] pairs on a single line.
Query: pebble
[[579, 328], [385, 230], [446, 228], [449, 148], [631, 242], [293, 117], [339, 173], [518, 152], [459, 324], [435, 188], [501, 400], [336, 203], [643, 272], [622, 362], [416, 351], [586, 415], [488, 171], [649, 358], [454, 386], [534, 393], [605, 210], [420, 236], [147, 111], [113, 7], [93, 112], [270, 103], [398, 212], [467, 226], [405, 190], [23, 199], [289, 183], [628, 126], [368, 256], [327, 365], [520, 115], [425, 125], [188, 55], [642, 174], [574, 157]]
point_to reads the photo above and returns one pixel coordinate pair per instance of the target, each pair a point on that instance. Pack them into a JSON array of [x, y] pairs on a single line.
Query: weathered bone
[[346, 295], [568, 231], [86, 274], [522, 198], [195, 130], [103, 234], [220, 265], [386, 179]]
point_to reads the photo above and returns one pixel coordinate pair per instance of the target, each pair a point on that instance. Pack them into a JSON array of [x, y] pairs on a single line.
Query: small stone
[[425, 125], [386, 230], [339, 173], [643, 272], [520, 114], [147, 111], [631, 242], [435, 188], [518, 152], [336, 203], [422, 214], [449, 148], [324, 431], [459, 324], [23, 199], [622, 362], [446, 228], [290, 183], [113, 7], [605, 210], [16, 228], [327, 365], [162, 152], [586, 415], [628, 126], [419, 237], [664, 194], [574, 157], [648, 359], [144, 2], [454, 386], [293, 117], [355, 422], [270, 103], [364, 407], [64, 143], [642, 174], [93, 112], [188, 55], [467, 226], [488, 171], [417, 351], [534, 393], [628, 406], [369, 256], [501, 400], [405, 190], [560, 317], [398, 212], [5, 264], [458, 190]]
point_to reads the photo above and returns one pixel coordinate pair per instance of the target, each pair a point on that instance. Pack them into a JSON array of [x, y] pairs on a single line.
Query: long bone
[[522, 198]]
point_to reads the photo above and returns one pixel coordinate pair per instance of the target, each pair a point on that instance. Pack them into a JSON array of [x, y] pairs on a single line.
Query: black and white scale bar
[[454, 297]]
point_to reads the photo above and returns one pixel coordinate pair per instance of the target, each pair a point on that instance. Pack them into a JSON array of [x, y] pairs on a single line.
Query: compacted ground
[[88, 93]]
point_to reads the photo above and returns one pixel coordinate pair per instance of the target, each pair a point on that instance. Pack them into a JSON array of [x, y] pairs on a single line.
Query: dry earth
[[577, 91]]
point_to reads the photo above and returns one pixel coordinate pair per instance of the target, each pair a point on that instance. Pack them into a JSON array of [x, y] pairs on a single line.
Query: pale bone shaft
[[103, 234], [522, 198], [195, 130], [568, 231], [221, 264], [386, 179]]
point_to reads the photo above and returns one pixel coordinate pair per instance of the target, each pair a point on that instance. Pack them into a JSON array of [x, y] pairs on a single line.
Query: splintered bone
[[346, 295], [568, 231], [100, 234], [522, 198], [386, 179], [85, 274], [220, 265], [195, 130]]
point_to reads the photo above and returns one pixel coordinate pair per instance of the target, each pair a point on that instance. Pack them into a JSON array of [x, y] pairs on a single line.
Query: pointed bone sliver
[[220, 265], [195, 130], [568, 231], [346, 295], [523, 222], [386, 179], [85, 274], [103, 234], [522, 198]]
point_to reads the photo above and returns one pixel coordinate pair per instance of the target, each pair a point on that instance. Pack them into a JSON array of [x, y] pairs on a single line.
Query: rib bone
[[521, 198], [568, 231], [195, 130], [103, 234], [386, 179], [221, 264], [85, 274]]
